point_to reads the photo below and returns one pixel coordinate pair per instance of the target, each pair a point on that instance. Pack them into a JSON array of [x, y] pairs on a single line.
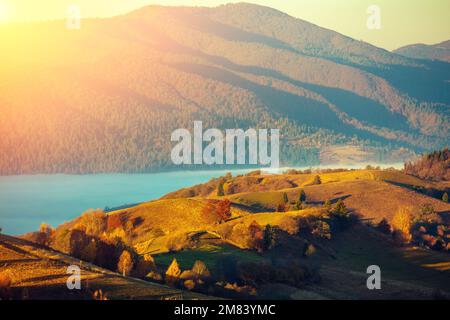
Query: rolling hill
[[39, 273], [106, 98], [439, 51], [306, 251]]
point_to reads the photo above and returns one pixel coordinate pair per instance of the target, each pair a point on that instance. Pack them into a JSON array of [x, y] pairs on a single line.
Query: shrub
[[125, 264], [384, 226], [281, 207], [317, 180], [144, 266], [200, 270], [321, 229], [426, 213], [99, 295]]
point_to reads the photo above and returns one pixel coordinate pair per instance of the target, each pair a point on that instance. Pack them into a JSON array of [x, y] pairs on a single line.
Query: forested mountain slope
[[106, 98]]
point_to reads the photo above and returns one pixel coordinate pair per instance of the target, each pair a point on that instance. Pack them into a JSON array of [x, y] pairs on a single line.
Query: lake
[[28, 200]]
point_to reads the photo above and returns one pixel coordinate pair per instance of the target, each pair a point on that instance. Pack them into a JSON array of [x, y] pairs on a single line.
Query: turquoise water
[[28, 200]]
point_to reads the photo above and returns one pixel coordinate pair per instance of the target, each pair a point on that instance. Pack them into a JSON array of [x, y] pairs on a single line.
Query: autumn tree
[[200, 270], [402, 223], [125, 264], [223, 210], [44, 236], [173, 272], [94, 222], [256, 236]]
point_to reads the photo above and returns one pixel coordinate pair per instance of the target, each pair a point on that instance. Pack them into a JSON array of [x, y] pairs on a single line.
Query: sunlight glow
[[3, 13]]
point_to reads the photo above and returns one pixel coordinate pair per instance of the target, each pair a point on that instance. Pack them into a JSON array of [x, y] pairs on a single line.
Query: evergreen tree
[[302, 196], [285, 198], [445, 197], [269, 237]]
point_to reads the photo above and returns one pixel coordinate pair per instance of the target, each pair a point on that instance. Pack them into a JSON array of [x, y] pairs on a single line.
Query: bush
[[144, 266], [317, 180], [427, 213], [200, 270], [321, 229], [281, 207], [384, 227]]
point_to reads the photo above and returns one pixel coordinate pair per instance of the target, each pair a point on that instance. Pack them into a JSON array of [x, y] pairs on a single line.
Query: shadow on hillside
[[304, 110], [431, 192], [418, 82]]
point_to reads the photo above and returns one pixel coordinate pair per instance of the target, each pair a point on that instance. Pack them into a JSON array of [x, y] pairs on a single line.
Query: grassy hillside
[[39, 273], [319, 247]]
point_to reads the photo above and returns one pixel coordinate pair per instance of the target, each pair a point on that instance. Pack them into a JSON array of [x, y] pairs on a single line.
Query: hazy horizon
[[419, 21]]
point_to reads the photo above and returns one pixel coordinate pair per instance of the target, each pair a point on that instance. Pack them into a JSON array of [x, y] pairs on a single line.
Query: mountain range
[[106, 98]]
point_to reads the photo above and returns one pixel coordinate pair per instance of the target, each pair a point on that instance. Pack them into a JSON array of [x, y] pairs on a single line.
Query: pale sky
[[402, 21]]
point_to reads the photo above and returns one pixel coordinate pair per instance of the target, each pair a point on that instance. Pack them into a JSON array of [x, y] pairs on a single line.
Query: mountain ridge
[[122, 84]]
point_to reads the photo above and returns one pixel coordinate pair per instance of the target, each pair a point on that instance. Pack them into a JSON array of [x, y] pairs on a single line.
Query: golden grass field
[[167, 227]]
